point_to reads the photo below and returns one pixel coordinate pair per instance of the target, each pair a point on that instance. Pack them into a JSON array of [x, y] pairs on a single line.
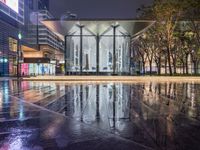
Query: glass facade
[[8, 49], [28, 69], [87, 53]]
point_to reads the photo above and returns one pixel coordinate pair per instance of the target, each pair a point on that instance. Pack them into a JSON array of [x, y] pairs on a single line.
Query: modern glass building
[[15, 20], [12, 17], [38, 51], [99, 47]]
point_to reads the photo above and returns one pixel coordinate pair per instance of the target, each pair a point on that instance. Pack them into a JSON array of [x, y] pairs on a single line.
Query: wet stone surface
[[140, 116]]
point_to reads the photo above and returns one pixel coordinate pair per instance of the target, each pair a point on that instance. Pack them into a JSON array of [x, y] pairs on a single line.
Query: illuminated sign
[[53, 61], [13, 4]]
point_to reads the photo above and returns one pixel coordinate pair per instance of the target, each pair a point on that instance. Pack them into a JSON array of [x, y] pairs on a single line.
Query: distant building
[[21, 17], [50, 55]]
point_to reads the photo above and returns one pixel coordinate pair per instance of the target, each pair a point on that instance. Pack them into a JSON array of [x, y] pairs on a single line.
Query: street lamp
[[19, 36], [18, 53]]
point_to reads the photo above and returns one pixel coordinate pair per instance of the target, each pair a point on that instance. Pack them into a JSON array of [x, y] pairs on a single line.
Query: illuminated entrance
[[99, 47]]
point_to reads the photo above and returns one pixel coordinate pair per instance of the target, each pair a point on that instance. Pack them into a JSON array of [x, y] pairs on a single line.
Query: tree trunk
[[165, 66], [159, 68], [175, 69], [183, 68], [186, 65], [169, 60], [174, 64], [143, 66], [158, 65], [195, 67], [150, 62]]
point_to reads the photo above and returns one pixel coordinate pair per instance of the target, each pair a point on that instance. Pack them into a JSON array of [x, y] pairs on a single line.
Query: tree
[[169, 14], [193, 16], [140, 55], [166, 13], [145, 42]]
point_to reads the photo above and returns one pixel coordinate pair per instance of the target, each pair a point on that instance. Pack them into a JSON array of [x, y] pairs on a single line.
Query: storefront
[[13, 65], [38, 66], [100, 47], [4, 66], [31, 69]]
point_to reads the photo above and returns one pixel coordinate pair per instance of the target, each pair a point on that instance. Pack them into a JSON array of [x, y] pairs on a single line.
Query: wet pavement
[[106, 116]]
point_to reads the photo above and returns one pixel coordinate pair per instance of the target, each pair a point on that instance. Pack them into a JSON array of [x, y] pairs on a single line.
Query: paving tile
[[162, 116]]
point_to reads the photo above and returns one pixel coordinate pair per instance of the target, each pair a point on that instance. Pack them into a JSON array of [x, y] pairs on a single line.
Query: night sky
[[97, 8]]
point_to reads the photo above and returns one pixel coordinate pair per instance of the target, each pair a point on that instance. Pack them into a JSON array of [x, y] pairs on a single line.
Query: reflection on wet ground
[[48, 115]]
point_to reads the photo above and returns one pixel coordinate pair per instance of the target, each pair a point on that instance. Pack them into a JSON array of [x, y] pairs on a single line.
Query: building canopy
[[98, 27]]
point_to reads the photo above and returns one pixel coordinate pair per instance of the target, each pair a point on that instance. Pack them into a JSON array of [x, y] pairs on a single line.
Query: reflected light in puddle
[[1, 99], [21, 112], [16, 144], [52, 129]]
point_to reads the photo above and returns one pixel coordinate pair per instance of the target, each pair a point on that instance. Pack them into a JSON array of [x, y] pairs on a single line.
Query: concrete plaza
[[146, 113]]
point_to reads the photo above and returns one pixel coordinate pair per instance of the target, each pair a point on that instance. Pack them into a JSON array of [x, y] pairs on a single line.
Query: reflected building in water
[[98, 103]]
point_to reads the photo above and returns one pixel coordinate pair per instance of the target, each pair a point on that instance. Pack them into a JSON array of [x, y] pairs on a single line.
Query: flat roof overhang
[[98, 27], [28, 49]]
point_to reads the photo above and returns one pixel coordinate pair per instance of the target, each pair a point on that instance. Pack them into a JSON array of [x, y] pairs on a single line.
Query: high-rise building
[[12, 10], [14, 32], [50, 55], [26, 46]]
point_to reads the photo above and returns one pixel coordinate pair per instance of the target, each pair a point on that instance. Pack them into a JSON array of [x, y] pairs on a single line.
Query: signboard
[[13, 4]]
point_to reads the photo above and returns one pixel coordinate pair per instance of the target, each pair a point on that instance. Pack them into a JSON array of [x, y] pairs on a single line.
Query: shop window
[[25, 69], [12, 65]]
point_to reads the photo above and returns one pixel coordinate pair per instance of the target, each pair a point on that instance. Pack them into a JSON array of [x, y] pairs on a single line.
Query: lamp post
[[18, 53]]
